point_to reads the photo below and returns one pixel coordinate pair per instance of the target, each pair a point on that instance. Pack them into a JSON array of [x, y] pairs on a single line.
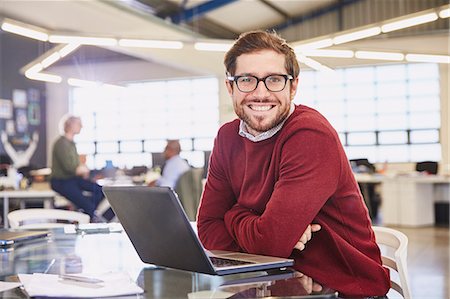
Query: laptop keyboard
[[221, 262]]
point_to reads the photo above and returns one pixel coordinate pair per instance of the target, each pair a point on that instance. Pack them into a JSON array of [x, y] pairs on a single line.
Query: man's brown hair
[[254, 41]]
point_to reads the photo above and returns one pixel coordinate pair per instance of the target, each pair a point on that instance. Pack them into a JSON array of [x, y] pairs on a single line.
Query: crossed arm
[[288, 220]]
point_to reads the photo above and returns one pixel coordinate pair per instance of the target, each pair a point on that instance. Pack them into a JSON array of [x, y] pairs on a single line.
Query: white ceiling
[[114, 18]]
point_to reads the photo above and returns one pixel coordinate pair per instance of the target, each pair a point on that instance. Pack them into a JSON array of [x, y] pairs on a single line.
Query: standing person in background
[[70, 177], [280, 168], [173, 167]]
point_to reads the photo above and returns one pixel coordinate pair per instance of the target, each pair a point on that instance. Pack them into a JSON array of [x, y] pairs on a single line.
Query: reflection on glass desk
[[113, 252]]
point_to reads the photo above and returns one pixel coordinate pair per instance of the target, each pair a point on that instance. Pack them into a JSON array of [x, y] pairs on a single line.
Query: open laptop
[[162, 235], [12, 237]]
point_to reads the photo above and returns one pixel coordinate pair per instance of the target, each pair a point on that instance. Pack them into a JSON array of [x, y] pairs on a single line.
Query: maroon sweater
[[260, 197]]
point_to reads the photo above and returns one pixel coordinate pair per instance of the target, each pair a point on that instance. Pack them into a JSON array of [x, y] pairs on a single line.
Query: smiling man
[[279, 168]]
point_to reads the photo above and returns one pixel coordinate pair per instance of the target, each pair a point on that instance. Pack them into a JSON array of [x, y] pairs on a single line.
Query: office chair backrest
[[363, 165], [189, 188], [430, 167], [394, 251], [45, 218]]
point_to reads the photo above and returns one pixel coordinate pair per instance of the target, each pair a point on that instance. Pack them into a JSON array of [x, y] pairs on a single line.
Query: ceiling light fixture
[[428, 58], [49, 60], [409, 22], [44, 77], [36, 68], [218, 47], [82, 83], [313, 64], [84, 40], [379, 55], [445, 13], [328, 53], [323, 43], [360, 34], [24, 30], [66, 50], [143, 43]]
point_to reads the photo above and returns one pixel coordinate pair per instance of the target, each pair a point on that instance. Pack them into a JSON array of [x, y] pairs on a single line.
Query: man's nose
[[261, 89]]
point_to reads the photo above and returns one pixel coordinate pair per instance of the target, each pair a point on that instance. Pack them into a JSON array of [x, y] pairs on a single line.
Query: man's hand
[[82, 171], [312, 228]]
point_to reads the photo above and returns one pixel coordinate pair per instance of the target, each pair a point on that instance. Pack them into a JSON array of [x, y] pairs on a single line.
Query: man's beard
[[256, 123]]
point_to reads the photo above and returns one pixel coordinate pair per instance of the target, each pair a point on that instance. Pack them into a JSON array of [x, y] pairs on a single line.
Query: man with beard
[[279, 168]]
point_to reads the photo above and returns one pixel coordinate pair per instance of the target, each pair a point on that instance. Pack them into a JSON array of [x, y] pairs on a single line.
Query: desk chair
[[394, 249], [189, 188], [429, 167], [45, 218]]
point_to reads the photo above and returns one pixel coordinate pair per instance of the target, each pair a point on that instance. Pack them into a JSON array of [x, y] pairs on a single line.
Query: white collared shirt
[[243, 131]]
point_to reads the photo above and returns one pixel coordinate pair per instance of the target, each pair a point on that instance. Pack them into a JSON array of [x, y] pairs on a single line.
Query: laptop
[[12, 237], [161, 233]]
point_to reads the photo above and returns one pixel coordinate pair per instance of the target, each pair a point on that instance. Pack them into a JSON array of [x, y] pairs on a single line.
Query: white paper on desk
[[50, 285], [4, 286]]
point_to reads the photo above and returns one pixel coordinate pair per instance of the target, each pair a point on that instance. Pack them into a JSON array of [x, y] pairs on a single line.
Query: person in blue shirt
[[173, 167]]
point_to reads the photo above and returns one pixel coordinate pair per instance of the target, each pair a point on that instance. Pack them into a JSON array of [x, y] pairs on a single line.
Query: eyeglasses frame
[[235, 78]]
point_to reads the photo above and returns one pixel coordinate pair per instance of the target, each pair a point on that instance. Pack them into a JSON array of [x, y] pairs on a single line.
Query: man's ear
[[294, 85], [229, 85]]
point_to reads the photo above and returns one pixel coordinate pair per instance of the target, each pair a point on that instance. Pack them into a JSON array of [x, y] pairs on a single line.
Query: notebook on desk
[[162, 235], [12, 237]]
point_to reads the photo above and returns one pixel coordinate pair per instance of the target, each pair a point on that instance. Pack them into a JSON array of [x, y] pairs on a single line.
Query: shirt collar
[[264, 135]]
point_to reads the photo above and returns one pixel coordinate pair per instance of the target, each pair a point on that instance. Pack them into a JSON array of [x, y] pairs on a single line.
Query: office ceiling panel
[[90, 18], [301, 7], [218, 19], [242, 16]]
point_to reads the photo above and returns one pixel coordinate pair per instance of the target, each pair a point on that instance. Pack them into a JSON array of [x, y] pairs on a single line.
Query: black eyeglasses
[[249, 83]]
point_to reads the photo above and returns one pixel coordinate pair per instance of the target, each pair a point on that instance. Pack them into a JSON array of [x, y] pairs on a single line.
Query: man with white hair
[[70, 177]]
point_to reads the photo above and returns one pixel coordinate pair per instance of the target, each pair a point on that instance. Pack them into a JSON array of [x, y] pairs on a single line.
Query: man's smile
[[260, 107]]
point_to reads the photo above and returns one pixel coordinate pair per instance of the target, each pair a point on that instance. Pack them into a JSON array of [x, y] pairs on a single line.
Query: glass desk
[[102, 253]]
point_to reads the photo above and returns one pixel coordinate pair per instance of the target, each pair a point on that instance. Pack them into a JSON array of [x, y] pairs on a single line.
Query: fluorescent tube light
[[84, 40], [44, 77], [35, 69], [24, 31], [68, 49], [348, 37], [409, 22], [379, 55], [82, 83], [49, 60], [428, 58], [158, 44], [324, 43], [219, 47], [328, 53], [313, 64], [445, 13]]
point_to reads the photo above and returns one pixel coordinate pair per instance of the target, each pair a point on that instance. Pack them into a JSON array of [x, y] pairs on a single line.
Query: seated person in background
[[278, 169], [173, 167], [70, 176]]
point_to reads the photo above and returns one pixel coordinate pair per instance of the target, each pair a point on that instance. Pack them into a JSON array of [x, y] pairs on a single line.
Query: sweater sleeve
[[309, 172], [217, 199]]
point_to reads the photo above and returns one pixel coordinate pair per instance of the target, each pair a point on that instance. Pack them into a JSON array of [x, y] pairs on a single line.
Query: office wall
[[23, 105]]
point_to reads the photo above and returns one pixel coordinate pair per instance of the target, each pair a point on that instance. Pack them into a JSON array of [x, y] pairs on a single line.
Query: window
[[126, 124], [383, 113]]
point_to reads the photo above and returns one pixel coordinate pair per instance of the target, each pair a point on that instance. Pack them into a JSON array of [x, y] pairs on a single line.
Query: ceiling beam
[[187, 15], [338, 6]]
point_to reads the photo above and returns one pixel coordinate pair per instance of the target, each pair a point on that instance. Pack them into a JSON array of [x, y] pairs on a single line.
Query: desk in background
[[45, 196], [113, 252], [407, 199]]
